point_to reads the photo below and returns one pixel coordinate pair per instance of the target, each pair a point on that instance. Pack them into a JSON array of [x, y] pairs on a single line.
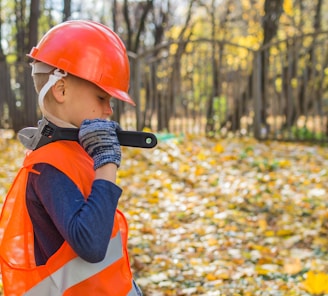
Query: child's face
[[84, 100]]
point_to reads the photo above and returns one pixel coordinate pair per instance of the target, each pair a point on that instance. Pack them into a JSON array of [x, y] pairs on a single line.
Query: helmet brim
[[120, 95]]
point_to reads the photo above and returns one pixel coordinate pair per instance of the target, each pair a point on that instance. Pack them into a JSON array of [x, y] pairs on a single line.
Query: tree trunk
[[216, 62], [273, 10], [67, 10], [33, 28]]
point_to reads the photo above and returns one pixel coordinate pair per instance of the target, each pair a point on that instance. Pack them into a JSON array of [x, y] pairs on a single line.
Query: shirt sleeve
[[85, 224]]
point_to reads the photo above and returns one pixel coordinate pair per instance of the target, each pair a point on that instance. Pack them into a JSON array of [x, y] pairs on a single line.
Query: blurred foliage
[[220, 217]]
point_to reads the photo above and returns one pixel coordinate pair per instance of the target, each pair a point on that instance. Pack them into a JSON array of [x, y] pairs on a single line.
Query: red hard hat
[[88, 50]]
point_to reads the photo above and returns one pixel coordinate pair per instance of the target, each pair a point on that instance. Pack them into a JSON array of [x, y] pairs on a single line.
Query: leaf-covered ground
[[225, 217]]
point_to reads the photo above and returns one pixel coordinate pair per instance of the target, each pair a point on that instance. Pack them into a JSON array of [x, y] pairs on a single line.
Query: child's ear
[[58, 90]]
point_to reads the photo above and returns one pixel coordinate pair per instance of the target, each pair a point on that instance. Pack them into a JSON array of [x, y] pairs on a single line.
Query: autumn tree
[[148, 27], [4, 77], [145, 24], [270, 24], [217, 24], [272, 12], [18, 103], [302, 105]]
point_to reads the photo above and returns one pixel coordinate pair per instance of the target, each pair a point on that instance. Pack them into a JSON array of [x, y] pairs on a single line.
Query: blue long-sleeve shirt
[[59, 212]]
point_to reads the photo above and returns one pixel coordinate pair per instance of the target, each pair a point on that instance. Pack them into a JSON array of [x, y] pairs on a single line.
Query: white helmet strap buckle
[[53, 78]]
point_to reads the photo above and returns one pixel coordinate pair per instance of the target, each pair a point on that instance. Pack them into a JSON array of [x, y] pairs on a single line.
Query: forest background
[[225, 215], [215, 67]]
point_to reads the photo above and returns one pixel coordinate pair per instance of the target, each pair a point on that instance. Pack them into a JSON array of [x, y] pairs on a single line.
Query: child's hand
[[98, 138]]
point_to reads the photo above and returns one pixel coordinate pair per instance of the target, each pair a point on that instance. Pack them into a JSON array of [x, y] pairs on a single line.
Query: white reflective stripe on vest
[[135, 291], [76, 271]]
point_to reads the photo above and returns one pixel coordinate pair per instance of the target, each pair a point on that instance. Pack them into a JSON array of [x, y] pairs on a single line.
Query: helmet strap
[[53, 78]]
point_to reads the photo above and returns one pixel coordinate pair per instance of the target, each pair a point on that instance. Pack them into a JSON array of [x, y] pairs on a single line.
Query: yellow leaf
[[269, 233], [292, 266], [210, 277], [146, 129], [261, 271], [316, 283], [212, 242], [229, 157], [218, 148], [199, 171], [284, 232], [224, 275], [201, 156], [184, 168], [288, 7], [320, 241], [138, 251], [285, 163], [263, 224]]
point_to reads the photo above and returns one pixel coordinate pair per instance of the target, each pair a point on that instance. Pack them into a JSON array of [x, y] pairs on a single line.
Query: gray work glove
[[99, 139]]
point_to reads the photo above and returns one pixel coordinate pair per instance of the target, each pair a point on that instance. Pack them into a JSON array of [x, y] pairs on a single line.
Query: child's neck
[[57, 121]]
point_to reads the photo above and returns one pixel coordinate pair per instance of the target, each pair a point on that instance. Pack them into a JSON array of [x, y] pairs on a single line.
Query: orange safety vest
[[64, 273]]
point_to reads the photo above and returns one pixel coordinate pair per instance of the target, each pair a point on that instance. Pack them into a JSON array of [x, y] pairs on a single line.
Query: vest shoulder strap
[[68, 157]]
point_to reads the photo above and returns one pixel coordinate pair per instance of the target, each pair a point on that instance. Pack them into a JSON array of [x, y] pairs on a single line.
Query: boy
[[60, 230]]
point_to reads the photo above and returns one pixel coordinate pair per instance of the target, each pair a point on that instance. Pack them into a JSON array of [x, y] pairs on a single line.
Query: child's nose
[[108, 110]]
